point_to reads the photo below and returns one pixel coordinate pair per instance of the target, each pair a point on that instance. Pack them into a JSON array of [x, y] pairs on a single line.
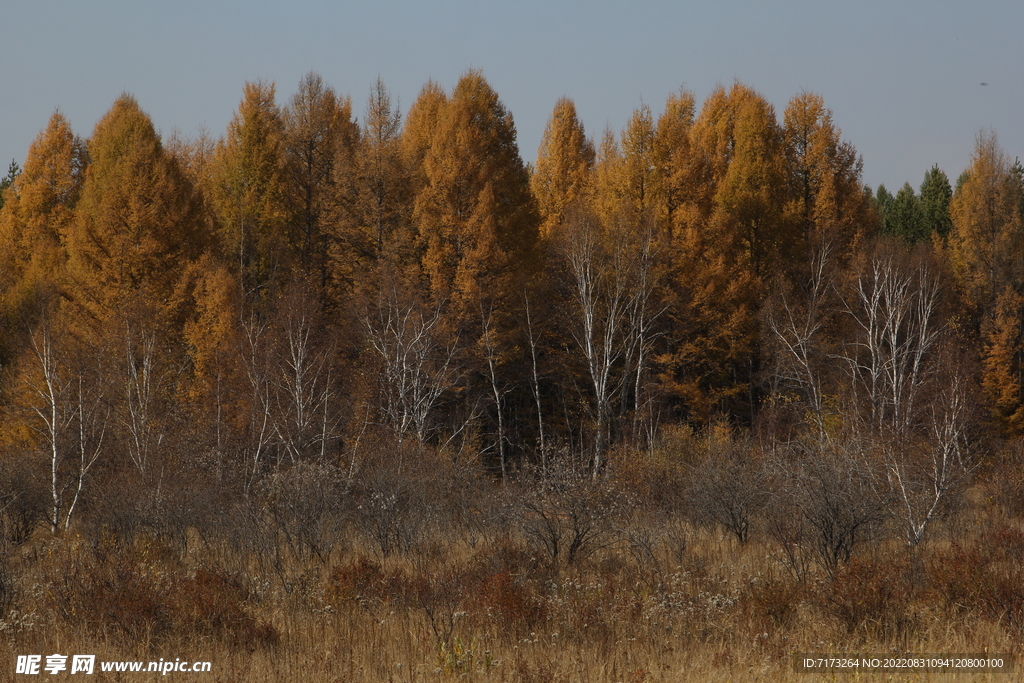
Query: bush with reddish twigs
[[871, 598], [985, 578], [364, 581], [135, 601], [770, 602]]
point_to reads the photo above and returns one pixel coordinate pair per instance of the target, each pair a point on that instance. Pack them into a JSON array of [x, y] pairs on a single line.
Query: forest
[[364, 396]]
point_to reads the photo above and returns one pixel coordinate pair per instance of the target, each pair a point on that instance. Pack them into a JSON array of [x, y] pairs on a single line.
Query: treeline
[[316, 287]]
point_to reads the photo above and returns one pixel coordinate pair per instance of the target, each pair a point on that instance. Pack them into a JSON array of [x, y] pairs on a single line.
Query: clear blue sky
[[902, 78]]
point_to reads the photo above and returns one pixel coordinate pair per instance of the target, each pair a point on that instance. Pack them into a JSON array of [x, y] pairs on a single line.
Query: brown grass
[[496, 611]]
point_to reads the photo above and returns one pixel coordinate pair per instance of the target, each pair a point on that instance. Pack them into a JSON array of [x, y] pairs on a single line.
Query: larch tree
[[250, 191], [1003, 363], [750, 198], [137, 229], [639, 175], [985, 246], [384, 186], [35, 221], [136, 224], [609, 168], [317, 130], [565, 161], [826, 199], [421, 123], [987, 237], [675, 160], [213, 337], [711, 326], [475, 216], [477, 228]]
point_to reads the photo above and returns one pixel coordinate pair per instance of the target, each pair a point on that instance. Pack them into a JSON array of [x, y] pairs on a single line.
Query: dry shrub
[[507, 601], [658, 475], [540, 673], [727, 482], [129, 598], [871, 598], [305, 503], [984, 579], [770, 603], [23, 499], [366, 583], [568, 516], [490, 589], [506, 583], [213, 604], [1006, 482]]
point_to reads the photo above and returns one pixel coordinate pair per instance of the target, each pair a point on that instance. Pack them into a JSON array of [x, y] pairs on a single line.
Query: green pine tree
[[936, 194]]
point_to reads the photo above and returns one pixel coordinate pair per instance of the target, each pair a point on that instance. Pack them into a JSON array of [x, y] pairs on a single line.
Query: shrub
[[132, 599], [871, 597]]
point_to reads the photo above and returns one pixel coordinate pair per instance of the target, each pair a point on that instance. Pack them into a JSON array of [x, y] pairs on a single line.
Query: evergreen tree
[[905, 217], [935, 197], [12, 173], [883, 200]]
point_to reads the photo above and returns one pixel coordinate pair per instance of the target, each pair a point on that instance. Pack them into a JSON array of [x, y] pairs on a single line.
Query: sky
[[911, 84]]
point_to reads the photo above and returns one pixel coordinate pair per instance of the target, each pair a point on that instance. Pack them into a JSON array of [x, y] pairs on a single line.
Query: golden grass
[[494, 610]]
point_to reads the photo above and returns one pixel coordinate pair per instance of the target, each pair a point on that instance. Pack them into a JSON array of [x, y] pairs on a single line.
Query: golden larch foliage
[[250, 193], [987, 238], [36, 217], [137, 223], [565, 162]]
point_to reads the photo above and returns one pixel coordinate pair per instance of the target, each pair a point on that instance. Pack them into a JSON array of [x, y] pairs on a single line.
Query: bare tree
[[304, 420], [140, 386], [921, 425], [51, 391], [797, 324], [256, 361], [72, 417], [532, 340], [600, 295], [925, 481], [498, 390], [894, 311], [642, 312], [417, 365]]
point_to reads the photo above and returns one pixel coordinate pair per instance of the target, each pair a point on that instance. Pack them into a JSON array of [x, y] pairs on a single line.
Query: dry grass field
[[469, 580]]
